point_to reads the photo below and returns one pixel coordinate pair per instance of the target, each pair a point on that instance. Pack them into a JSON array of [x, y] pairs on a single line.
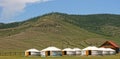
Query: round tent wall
[[77, 51], [106, 51], [51, 51], [91, 50], [102, 51], [110, 51], [69, 51], [32, 52]]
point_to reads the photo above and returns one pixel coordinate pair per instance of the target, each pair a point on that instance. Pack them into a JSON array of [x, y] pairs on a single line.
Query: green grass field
[[63, 57], [60, 30]]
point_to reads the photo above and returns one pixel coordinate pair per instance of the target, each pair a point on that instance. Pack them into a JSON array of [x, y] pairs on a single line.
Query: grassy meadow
[[63, 57], [60, 30]]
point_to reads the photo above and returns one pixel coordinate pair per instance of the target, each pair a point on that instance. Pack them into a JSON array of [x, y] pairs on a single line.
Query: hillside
[[61, 30]]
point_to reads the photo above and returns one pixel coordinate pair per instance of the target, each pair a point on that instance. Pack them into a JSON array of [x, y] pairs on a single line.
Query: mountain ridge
[[61, 30]]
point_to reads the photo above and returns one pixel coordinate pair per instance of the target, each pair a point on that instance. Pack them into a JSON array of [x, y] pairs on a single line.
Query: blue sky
[[37, 8]]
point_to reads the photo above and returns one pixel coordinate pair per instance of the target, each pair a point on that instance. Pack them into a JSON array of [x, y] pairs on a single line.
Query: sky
[[20, 10]]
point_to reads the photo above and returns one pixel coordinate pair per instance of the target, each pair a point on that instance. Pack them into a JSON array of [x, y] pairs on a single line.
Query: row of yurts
[[54, 51]]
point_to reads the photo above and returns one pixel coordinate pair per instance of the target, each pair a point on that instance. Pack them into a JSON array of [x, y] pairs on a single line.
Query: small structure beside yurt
[[91, 50], [51, 51], [77, 51], [32, 52], [112, 45], [68, 51]]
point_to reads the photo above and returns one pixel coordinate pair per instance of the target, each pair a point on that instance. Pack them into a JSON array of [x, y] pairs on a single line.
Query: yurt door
[[89, 52], [64, 52], [47, 53], [27, 53]]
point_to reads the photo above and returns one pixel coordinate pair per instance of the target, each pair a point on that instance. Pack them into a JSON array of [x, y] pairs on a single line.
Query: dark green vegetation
[[60, 30]]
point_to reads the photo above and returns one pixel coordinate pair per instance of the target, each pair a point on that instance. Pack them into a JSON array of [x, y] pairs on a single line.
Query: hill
[[61, 30]]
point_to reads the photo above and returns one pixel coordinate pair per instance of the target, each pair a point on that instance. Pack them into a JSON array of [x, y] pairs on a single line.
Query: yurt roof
[[103, 49], [33, 50], [51, 49], [77, 49], [106, 49], [67, 49], [91, 48], [109, 49]]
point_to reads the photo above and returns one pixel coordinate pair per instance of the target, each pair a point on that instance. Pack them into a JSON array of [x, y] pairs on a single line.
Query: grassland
[[60, 30], [63, 57]]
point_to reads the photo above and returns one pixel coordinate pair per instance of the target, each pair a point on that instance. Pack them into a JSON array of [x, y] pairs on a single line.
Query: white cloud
[[11, 8]]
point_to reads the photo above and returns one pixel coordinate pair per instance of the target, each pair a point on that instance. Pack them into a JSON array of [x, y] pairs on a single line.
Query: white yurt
[[77, 51], [68, 51], [102, 51], [51, 51], [91, 50], [106, 51], [32, 52], [110, 51]]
